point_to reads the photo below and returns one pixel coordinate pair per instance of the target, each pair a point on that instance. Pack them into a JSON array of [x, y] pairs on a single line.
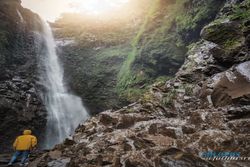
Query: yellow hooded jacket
[[25, 141]]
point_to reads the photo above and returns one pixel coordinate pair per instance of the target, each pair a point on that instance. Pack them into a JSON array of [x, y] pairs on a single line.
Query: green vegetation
[[112, 52], [169, 97], [241, 12], [92, 73], [232, 43], [226, 31], [194, 16], [124, 77], [128, 76], [160, 46], [118, 59], [188, 89]]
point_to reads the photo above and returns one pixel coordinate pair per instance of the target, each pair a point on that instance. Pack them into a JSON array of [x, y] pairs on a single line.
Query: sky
[[52, 9]]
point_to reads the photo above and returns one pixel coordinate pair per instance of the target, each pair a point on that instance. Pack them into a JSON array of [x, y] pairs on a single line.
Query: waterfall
[[65, 110], [20, 15]]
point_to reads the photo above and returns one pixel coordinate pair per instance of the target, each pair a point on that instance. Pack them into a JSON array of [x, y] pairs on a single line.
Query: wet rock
[[208, 110], [127, 121], [188, 129], [210, 139], [20, 102], [199, 62], [223, 32], [170, 132], [247, 41], [178, 158], [197, 117], [153, 129], [230, 37], [239, 112], [19, 106], [59, 162], [55, 154], [240, 126], [160, 140], [69, 142], [231, 84], [107, 120]]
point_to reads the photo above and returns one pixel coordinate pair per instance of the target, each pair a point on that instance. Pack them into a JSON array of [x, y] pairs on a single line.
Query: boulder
[[231, 84], [229, 37]]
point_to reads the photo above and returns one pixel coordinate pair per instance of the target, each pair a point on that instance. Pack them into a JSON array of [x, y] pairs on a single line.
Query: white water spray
[[20, 15], [65, 111]]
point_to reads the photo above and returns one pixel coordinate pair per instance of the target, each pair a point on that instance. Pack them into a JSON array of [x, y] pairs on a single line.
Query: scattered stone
[[55, 154], [59, 163]]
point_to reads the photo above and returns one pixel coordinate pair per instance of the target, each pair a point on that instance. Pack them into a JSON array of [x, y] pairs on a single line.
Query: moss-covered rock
[[226, 34], [92, 74], [160, 46], [229, 32], [117, 60]]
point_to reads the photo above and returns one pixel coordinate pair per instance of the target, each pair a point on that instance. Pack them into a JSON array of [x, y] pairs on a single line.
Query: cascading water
[[65, 111], [20, 15]]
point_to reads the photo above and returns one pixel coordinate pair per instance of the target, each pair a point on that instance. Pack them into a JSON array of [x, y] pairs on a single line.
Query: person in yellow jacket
[[22, 146]]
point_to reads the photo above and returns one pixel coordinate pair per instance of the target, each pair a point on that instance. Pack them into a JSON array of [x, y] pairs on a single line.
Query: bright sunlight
[[97, 7], [52, 9]]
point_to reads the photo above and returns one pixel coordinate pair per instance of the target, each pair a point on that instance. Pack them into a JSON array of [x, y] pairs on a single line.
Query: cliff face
[[205, 107], [20, 104], [111, 63]]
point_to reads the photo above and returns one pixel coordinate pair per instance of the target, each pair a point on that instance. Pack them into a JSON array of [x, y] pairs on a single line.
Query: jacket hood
[[27, 132]]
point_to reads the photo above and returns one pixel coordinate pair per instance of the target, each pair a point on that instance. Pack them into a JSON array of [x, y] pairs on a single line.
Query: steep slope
[[111, 62], [160, 46], [204, 108], [20, 104], [93, 58]]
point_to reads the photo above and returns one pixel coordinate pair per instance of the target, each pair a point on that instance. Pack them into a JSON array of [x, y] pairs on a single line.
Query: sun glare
[[96, 7], [52, 9]]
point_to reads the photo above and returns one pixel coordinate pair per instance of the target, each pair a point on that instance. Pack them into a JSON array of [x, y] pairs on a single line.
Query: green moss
[[226, 35], [197, 15], [232, 43], [162, 79], [147, 97], [125, 77], [241, 11], [112, 52], [227, 30], [169, 97], [132, 94], [188, 89], [160, 45], [134, 55]]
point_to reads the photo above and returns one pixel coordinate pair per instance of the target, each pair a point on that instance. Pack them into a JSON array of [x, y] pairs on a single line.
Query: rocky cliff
[[20, 103], [111, 62], [204, 107]]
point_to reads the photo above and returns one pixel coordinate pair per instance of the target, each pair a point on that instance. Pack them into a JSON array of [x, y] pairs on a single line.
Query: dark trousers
[[23, 154]]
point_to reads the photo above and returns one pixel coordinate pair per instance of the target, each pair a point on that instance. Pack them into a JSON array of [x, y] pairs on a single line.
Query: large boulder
[[231, 84], [230, 40]]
